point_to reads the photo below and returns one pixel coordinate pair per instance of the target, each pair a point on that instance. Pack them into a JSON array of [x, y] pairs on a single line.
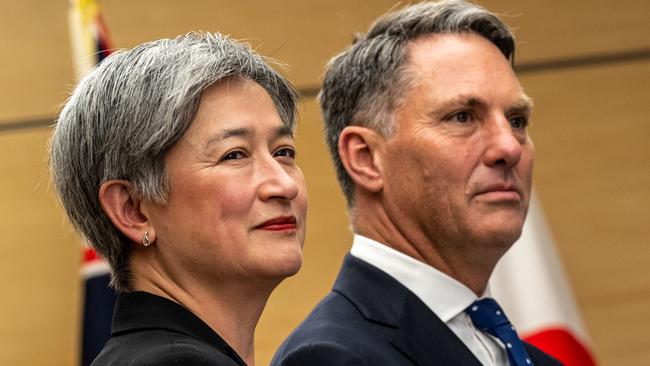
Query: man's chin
[[501, 218], [499, 234]]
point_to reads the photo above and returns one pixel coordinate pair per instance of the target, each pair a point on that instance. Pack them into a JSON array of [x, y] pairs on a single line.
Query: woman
[[176, 161]]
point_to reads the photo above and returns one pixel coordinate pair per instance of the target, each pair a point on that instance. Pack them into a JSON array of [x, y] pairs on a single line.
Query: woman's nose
[[277, 182]]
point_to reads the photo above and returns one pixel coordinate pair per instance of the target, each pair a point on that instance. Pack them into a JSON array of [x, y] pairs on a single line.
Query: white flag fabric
[[530, 284]]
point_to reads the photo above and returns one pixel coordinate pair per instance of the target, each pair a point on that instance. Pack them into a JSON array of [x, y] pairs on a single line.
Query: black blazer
[[151, 330], [371, 319]]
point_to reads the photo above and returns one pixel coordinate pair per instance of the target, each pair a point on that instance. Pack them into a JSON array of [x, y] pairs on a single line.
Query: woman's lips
[[279, 224]]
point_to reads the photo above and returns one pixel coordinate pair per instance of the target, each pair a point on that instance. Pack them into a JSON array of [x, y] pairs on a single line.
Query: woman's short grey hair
[[364, 84], [125, 115]]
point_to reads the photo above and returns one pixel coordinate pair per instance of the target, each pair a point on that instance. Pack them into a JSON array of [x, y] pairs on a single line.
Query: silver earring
[[145, 239]]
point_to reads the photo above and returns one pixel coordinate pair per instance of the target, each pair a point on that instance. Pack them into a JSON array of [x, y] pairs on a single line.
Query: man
[[427, 126]]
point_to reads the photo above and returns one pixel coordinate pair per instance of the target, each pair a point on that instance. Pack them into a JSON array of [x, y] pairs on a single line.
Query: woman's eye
[[286, 152], [233, 155], [519, 122]]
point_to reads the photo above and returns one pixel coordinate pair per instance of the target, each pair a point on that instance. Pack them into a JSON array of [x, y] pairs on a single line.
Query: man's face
[[458, 168]]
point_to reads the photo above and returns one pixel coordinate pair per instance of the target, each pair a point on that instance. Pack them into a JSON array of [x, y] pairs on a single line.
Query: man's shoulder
[[318, 352], [334, 333], [160, 347], [335, 318]]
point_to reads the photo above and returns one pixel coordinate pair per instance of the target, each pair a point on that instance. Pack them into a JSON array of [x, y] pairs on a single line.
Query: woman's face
[[238, 201]]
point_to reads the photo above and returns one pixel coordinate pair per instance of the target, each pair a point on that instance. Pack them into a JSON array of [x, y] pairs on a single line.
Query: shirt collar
[[442, 294]]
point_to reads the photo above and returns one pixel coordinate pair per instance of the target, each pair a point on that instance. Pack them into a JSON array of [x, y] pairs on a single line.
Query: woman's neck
[[230, 307]]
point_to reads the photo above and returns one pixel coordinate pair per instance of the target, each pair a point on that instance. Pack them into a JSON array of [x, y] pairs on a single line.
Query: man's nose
[[276, 181], [504, 145]]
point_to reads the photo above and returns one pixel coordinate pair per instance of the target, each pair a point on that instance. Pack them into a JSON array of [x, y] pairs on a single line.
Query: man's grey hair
[[127, 113], [366, 83]]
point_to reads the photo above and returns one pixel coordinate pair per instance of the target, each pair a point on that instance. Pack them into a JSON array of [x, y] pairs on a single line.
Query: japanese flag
[[530, 284]]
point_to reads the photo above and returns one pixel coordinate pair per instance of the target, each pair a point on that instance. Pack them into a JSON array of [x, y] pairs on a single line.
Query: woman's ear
[[358, 151], [124, 210]]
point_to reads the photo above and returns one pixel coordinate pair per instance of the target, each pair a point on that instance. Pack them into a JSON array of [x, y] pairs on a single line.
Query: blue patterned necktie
[[488, 316]]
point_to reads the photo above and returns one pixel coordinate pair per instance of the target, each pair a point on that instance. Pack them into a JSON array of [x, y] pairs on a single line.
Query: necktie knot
[[488, 316]]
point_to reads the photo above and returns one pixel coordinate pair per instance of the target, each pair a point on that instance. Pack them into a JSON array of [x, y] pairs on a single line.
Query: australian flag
[[99, 300], [90, 44]]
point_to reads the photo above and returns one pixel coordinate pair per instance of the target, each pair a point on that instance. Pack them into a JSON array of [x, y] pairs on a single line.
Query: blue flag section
[[99, 300]]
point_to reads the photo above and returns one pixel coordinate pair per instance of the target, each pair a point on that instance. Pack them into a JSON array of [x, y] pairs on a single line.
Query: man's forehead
[[444, 46], [449, 59]]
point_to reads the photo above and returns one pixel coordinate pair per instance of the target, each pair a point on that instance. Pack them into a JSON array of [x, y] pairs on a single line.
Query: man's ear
[[124, 210], [358, 151]]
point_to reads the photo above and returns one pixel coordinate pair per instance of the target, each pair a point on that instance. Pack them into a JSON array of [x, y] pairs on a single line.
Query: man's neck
[[470, 264]]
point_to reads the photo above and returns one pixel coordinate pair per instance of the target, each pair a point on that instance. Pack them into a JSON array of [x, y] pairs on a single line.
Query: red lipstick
[[282, 223]]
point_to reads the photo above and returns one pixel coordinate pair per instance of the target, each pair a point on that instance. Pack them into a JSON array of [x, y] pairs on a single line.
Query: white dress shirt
[[445, 296]]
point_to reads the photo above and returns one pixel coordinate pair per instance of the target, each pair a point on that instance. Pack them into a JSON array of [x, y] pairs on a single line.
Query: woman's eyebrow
[[228, 133], [284, 131]]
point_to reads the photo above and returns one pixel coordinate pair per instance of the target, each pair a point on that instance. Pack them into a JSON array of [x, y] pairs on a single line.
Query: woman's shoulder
[[184, 354], [160, 347]]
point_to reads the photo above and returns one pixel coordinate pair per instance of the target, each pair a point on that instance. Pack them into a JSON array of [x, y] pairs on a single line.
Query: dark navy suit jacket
[[371, 319]]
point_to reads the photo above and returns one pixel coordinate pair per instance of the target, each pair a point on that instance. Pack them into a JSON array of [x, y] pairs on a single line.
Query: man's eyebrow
[[524, 105], [471, 101]]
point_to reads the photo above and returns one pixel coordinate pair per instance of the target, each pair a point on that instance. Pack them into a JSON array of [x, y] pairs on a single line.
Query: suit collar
[[444, 295], [419, 334], [378, 297], [139, 311]]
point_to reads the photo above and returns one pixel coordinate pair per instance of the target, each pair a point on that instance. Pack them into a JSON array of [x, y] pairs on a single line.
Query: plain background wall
[[591, 128]]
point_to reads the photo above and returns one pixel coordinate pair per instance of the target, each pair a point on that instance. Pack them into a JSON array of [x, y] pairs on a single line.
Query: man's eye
[[233, 155], [519, 122], [462, 117], [285, 152]]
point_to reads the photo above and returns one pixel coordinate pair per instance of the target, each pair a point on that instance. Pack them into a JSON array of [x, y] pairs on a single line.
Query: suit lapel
[[419, 334], [426, 340]]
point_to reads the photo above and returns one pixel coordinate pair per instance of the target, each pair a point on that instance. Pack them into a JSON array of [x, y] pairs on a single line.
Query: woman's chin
[[280, 264], [290, 264]]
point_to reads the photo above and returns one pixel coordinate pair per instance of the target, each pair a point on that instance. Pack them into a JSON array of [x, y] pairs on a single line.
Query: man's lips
[[279, 224], [500, 190]]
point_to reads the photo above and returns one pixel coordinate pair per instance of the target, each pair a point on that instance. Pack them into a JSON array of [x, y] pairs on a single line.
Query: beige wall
[[591, 127]]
